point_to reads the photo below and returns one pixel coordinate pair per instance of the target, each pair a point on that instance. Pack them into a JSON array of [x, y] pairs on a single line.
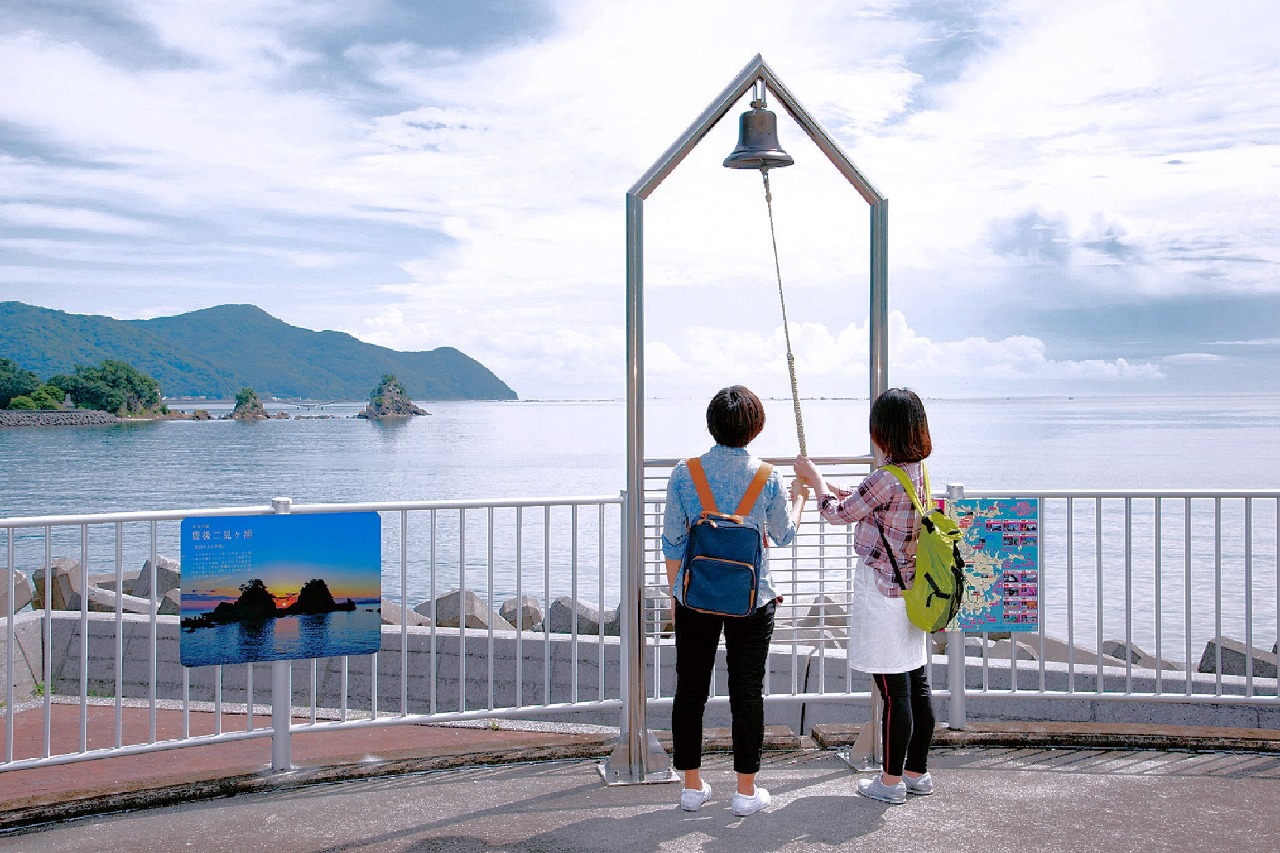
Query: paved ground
[[63, 791], [988, 800], [1043, 787]]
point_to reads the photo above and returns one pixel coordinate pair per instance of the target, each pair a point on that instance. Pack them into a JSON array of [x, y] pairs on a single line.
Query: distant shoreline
[[27, 418]]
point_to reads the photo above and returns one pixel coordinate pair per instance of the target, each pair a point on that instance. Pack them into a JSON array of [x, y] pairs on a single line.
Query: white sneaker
[[691, 799], [875, 789], [921, 786], [744, 805]]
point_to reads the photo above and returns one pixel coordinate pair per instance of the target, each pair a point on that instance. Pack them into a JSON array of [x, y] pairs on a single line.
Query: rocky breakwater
[[814, 622], [10, 418], [464, 608], [62, 582]]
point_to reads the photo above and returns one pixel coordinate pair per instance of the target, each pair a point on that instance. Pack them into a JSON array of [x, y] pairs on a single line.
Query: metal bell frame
[[638, 757]]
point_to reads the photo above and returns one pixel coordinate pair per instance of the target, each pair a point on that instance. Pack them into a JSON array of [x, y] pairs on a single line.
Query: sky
[[1084, 197]]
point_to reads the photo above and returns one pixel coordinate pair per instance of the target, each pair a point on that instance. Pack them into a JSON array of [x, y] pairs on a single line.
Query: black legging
[[907, 724], [746, 645]]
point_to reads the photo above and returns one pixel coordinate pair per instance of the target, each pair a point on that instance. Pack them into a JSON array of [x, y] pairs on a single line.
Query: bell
[[758, 146]]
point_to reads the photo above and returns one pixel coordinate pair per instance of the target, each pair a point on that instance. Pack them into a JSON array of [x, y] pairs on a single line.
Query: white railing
[[107, 667], [1167, 572], [1181, 585], [1167, 575]]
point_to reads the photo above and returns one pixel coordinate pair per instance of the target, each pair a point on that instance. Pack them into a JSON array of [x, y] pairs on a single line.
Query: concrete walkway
[[526, 787], [988, 800], [66, 791]]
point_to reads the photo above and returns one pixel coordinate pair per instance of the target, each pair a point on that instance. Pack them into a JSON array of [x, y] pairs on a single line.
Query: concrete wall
[[1169, 710], [28, 655], [541, 661], [791, 669]]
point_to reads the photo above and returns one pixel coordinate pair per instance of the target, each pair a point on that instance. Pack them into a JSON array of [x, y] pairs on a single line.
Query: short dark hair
[[900, 427], [735, 416]]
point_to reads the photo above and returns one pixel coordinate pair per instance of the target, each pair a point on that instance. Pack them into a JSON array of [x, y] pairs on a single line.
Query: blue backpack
[[724, 555]]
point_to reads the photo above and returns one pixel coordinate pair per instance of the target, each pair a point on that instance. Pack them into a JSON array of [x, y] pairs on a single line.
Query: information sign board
[[280, 587]]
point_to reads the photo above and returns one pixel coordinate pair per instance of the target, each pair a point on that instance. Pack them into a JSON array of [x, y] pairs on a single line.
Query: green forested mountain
[[216, 351]]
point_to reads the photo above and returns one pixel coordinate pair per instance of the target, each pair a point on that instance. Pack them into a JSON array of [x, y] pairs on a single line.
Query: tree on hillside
[[45, 398], [15, 382], [112, 386], [388, 385], [22, 403]]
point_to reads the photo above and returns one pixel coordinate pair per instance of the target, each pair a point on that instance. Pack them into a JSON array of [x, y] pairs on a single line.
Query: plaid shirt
[[880, 498]]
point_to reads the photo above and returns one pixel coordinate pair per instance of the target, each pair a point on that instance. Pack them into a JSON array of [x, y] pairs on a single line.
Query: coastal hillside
[[216, 351]]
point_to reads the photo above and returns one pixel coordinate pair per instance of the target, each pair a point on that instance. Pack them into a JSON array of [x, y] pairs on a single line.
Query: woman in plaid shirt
[[882, 640]]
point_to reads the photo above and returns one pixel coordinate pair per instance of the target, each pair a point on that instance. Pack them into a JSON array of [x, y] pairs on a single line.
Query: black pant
[[907, 723], [746, 643]]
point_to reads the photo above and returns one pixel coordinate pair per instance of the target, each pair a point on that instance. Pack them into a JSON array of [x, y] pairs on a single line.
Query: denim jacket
[[729, 471]]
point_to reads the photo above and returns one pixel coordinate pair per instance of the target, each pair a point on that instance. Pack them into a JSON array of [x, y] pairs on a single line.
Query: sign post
[[281, 691], [279, 588]]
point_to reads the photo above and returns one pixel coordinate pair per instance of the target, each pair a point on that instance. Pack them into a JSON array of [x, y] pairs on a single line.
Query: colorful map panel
[[1001, 550]]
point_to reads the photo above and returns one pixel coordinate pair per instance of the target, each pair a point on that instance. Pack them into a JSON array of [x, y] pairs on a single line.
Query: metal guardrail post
[[638, 758], [955, 651], [867, 752], [281, 690]]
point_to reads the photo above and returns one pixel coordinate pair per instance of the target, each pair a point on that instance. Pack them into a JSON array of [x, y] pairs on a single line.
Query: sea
[[557, 448]]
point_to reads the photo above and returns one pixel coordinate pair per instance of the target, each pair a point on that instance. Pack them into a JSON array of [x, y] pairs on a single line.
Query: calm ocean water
[[527, 449], [555, 449]]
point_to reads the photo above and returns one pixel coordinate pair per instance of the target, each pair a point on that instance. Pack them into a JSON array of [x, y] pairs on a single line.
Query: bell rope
[[791, 361]]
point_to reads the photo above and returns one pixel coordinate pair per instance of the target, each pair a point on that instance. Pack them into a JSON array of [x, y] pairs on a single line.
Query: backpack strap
[[910, 489], [897, 573], [907, 485], [754, 489], [708, 501], [700, 483]]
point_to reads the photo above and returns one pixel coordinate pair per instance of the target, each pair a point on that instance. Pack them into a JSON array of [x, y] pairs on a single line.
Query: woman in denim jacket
[[735, 417]]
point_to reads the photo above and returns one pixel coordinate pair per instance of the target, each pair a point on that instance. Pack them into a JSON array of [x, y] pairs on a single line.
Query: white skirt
[[881, 637]]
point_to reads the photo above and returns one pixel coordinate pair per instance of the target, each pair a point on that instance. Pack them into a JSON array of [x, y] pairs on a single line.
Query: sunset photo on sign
[[280, 587]]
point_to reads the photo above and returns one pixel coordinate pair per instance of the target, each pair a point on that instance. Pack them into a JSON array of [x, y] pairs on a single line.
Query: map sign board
[[1001, 550], [280, 587]]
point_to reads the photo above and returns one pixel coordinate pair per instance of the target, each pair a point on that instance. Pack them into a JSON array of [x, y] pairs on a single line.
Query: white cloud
[[1041, 122], [1193, 358], [1255, 342], [835, 363], [265, 136], [73, 219]]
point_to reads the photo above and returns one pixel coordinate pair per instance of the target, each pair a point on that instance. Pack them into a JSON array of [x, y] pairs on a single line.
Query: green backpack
[[934, 597]]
